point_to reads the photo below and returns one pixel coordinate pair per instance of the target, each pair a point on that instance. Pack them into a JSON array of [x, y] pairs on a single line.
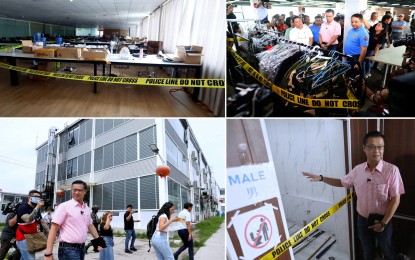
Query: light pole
[[156, 150]]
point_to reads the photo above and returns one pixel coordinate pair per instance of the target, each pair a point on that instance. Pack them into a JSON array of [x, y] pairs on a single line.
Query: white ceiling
[[108, 14]]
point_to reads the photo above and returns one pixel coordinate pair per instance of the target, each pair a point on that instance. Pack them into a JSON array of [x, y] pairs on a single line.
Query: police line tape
[[10, 46], [302, 233], [165, 82], [239, 40], [351, 103]]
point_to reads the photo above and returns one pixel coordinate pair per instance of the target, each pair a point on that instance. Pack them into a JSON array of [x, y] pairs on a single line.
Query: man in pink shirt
[[329, 32], [73, 219], [378, 185]]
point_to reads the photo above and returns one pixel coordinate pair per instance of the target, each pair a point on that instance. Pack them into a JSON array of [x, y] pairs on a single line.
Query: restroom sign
[[258, 231], [255, 219]]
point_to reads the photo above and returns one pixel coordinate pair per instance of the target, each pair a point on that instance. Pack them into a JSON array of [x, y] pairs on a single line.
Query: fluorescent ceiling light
[[395, 4]]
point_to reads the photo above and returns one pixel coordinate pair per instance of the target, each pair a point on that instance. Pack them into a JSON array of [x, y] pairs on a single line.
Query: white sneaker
[[369, 75]]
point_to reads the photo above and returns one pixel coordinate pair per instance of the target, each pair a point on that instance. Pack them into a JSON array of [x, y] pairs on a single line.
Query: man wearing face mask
[[28, 218]]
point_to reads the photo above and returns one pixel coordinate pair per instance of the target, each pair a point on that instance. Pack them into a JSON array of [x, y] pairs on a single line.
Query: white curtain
[[154, 25], [145, 27], [190, 22]]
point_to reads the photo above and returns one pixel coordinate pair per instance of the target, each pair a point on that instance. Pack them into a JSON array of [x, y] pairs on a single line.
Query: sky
[[19, 138]]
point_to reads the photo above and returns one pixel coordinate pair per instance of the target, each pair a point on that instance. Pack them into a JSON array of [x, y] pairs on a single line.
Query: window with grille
[[149, 192], [116, 195], [147, 137], [116, 153]]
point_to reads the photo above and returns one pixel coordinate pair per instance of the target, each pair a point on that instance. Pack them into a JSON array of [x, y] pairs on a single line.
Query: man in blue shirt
[[397, 27], [357, 40], [315, 28]]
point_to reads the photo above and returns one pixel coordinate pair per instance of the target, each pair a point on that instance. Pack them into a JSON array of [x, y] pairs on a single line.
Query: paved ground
[[214, 249]]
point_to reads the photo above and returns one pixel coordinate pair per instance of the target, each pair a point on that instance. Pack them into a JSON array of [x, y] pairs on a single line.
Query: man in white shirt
[[262, 10], [301, 33], [185, 230], [373, 19]]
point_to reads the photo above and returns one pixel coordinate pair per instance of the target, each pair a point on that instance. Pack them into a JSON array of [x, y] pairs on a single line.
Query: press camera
[[10, 207], [408, 40]]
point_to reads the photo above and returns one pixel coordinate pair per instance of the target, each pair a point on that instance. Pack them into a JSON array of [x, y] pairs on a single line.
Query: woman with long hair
[[377, 37], [160, 239], [107, 234]]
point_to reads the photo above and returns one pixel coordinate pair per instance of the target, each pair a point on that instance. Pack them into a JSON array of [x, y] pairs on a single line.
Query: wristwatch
[[48, 254], [383, 225]]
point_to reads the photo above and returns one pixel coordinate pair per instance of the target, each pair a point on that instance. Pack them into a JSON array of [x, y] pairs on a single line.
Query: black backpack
[[151, 228]]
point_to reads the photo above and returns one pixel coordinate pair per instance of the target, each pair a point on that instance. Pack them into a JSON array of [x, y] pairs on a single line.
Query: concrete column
[[352, 7], [161, 144]]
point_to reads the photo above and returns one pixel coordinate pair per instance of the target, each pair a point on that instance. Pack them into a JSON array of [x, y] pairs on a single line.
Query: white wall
[[316, 146]]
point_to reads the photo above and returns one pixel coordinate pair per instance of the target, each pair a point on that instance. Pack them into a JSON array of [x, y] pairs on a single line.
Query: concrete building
[[114, 158]]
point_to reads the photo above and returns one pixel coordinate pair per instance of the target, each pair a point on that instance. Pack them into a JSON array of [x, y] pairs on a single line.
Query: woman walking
[[107, 234], [160, 239]]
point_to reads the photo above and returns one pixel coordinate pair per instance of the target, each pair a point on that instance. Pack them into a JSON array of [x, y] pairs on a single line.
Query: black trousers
[[5, 247], [184, 235]]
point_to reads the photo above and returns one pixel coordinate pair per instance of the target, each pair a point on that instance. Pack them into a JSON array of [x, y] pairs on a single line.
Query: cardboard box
[[45, 53], [45, 66], [95, 54], [27, 46], [69, 53], [190, 55]]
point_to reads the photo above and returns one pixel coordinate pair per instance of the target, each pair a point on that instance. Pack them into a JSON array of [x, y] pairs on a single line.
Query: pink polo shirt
[[328, 30], [73, 219], [374, 189]]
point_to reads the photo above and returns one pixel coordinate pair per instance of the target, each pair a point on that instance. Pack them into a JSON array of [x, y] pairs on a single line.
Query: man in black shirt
[[129, 228], [8, 235]]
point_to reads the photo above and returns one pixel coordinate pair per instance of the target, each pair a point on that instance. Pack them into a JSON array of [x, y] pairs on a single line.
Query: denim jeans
[[108, 252], [129, 234], [160, 244], [367, 64], [23, 250], [71, 253], [184, 235], [368, 237]]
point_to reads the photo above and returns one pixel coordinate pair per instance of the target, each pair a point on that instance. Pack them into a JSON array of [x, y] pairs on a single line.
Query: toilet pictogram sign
[[258, 231]]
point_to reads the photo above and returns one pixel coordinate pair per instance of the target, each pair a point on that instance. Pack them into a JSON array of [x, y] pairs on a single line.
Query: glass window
[[131, 148], [172, 152], [149, 192], [147, 137], [178, 128], [174, 193], [182, 163], [99, 126], [108, 155], [87, 164], [99, 153], [185, 197]]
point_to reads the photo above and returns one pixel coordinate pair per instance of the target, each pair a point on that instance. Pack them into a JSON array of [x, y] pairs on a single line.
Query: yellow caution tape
[[351, 103], [239, 40], [9, 47], [301, 234], [164, 82]]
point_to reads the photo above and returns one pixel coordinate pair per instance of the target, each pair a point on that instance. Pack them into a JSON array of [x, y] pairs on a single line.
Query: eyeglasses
[[372, 148], [77, 190]]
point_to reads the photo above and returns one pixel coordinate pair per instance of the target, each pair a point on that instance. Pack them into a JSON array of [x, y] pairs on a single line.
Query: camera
[[408, 40], [10, 207]]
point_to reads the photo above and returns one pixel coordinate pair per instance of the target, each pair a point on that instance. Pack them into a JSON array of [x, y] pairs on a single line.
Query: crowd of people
[[71, 222]]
